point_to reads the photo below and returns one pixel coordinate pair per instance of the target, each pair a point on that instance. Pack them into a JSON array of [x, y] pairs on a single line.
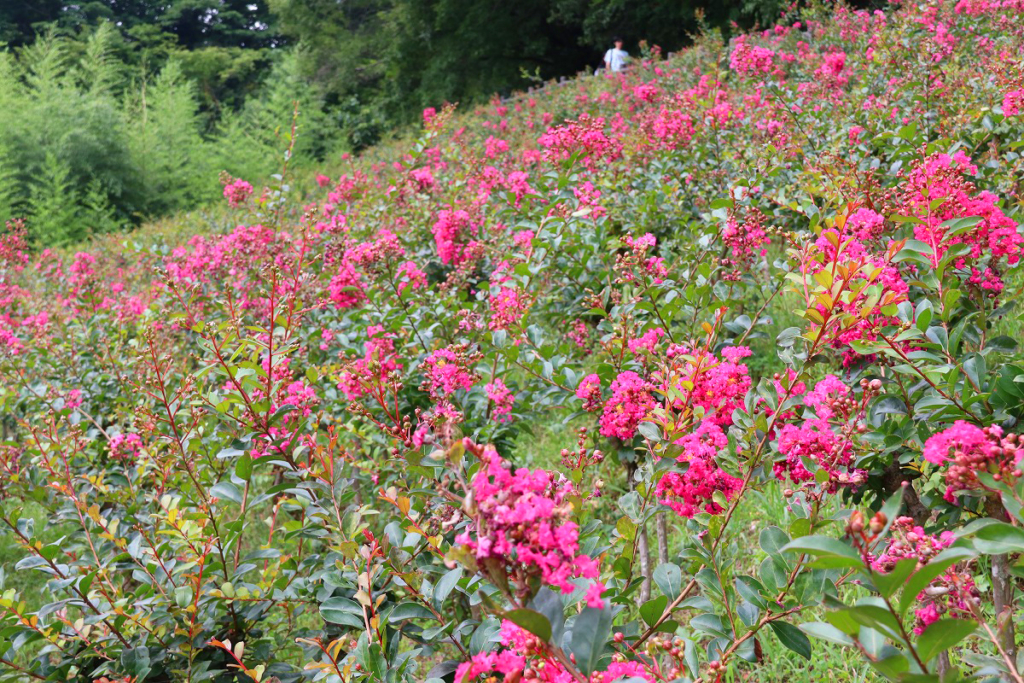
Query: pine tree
[[10, 188], [97, 212], [167, 148], [54, 205], [98, 70]]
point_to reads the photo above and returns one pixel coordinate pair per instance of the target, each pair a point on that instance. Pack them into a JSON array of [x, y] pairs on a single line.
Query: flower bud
[[878, 523], [856, 524]]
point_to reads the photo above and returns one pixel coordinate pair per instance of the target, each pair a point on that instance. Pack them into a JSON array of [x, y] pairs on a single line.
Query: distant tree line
[[113, 111]]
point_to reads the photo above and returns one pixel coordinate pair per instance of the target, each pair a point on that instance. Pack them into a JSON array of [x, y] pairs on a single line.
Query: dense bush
[[89, 148], [316, 446]]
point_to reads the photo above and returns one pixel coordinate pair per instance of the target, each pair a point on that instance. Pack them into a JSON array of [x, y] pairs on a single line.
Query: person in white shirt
[[615, 58]]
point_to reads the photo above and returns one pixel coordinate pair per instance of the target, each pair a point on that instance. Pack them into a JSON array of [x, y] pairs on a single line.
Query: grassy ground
[[829, 662]]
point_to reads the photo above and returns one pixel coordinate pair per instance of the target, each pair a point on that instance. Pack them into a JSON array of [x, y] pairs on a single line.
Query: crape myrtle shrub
[[294, 451]]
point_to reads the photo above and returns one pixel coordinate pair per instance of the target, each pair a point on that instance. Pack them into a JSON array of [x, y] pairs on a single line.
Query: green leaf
[[376, 664], [792, 637], [999, 538], [892, 667], [650, 431], [483, 635], [888, 584], [669, 579], [773, 540], [227, 490], [773, 578], [820, 629], [651, 610], [843, 622], [751, 590], [830, 552], [709, 623], [444, 587], [410, 610], [339, 610], [1002, 343], [137, 662], [534, 622], [748, 613], [630, 504], [589, 634], [243, 468], [877, 618], [549, 603], [886, 405], [942, 635]]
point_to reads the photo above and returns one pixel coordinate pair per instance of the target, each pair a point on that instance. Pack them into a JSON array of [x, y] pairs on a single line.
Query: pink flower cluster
[[853, 315], [422, 178], [379, 360], [646, 342], [522, 525], [936, 191], [503, 399], [746, 240], [508, 306], [446, 371], [524, 240], [698, 378], [816, 440], [452, 233], [237, 192], [946, 595], [1013, 102], [410, 276], [286, 433], [589, 391], [589, 197], [830, 73], [691, 491], [384, 248], [584, 137], [346, 287], [125, 446], [968, 450], [630, 402], [672, 128], [865, 224], [751, 59], [908, 540], [521, 650], [495, 147]]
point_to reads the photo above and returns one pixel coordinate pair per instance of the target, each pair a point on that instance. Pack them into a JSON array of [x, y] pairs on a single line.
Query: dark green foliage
[[172, 157], [53, 200], [375, 59], [90, 146]]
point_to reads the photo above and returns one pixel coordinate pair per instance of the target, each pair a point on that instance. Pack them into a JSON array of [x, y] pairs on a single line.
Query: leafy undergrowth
[[702, 372]]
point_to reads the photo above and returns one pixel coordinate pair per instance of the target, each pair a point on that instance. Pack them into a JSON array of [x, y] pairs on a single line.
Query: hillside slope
[[776, 268]]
